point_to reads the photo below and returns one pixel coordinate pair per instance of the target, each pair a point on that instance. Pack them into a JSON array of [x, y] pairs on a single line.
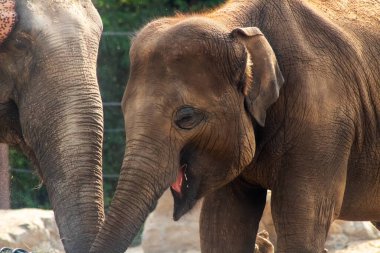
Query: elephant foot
[[263, 245]]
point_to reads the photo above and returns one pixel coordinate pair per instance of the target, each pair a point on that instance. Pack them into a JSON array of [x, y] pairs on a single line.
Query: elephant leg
[[306, 199], [230, 218], [302, 220]]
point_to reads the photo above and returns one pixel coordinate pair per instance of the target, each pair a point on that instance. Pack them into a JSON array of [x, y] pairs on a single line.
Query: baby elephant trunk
[[148, 170]]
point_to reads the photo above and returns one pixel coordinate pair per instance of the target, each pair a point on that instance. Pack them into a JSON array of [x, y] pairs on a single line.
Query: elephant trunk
[[62, 125], [146, 173]]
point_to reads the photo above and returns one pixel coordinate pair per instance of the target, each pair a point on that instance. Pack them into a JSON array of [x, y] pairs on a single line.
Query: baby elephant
[[254, 95]]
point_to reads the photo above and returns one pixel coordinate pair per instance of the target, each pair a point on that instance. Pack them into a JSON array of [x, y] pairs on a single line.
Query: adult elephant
[[255, 95], [50, 106]]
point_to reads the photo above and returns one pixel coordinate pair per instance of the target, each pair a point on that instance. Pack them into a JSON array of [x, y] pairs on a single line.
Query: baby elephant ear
[[7, 18], [267, 80]]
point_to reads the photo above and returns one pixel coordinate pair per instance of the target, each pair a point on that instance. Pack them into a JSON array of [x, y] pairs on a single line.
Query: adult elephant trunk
[[148, 169], [61, 119]]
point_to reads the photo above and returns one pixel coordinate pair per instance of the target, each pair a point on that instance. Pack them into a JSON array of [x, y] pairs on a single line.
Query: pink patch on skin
[[7, 18]]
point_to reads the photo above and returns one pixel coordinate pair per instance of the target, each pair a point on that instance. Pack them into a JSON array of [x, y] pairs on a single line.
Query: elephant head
[[197, 88], [50, 107]]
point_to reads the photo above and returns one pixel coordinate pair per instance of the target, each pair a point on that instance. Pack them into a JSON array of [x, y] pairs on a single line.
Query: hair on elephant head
[[196, 87], [50, 106]]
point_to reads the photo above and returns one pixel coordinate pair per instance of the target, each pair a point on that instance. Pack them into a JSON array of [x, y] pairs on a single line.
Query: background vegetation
[[121, 18]]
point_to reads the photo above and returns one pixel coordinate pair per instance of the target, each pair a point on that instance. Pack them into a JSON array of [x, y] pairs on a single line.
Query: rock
[[337, 241], [372, 246], [342, 233], [30, 229], [360, 230]]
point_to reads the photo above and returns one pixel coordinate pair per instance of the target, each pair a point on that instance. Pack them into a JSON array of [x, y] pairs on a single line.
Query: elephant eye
[[188, 117]]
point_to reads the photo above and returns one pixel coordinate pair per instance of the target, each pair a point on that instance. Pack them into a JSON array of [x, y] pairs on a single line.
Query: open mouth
[[182, 179], [184, 191]]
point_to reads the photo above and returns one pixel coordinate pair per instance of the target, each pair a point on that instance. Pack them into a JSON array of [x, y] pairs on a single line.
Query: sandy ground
[[355, 247]]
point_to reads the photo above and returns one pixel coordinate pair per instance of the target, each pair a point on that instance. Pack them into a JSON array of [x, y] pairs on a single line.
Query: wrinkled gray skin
[[194, 100], [50, 108]]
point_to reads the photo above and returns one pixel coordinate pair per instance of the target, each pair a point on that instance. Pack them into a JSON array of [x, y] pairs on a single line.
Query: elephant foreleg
[[308, 195], [230, 218], [302, 219]]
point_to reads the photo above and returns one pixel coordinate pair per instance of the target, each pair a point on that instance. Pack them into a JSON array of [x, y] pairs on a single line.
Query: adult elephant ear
[[266, 78], [7, 18]]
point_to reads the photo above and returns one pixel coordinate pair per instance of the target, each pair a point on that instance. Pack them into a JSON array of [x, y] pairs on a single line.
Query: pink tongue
[[177, 185]]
